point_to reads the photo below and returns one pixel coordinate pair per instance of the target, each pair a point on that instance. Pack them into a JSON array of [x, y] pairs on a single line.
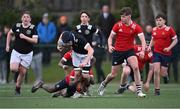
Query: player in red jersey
[[164, 39], [124, 33], [65, 87], [127, 70]]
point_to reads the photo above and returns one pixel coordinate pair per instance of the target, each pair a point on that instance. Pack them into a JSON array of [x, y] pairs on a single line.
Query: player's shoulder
[[32, 26], [155, 28], [167, 28], [18, 25], [78, 26]]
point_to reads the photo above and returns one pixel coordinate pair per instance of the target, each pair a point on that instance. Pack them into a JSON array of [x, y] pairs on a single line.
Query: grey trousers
[[36, 66]]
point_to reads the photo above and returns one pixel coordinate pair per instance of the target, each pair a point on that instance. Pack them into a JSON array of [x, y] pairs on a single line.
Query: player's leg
[[109, 78], [14, 67], [56, 87], [164, 68], [157, 66], [133, 62], [164, 73], [123, 82], [149, 77], [117, 59]]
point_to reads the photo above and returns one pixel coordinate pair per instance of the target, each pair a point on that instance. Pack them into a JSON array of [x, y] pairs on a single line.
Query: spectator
[[3, 67], [36, 64], [148, 33], [63, 26], [47, 33], [98, 44], [105, 22]]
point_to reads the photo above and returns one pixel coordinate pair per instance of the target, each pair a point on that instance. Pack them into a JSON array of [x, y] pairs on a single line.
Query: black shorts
[[70, 91], [119, 56], [163, 59], [61, 85]]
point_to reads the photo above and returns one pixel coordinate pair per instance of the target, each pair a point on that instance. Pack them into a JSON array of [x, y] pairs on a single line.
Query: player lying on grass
[[66, 87]]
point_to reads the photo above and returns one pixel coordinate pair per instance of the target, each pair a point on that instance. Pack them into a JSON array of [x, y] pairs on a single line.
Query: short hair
[[161, 16], [126, 11], [26, 12], [84, 12]]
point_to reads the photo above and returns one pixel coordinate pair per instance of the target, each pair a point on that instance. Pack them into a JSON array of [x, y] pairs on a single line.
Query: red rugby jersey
[[162, 38], [125, 35]]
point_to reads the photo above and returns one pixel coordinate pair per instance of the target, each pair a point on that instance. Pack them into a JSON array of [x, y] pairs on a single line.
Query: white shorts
[[77, 59], [23, 59]]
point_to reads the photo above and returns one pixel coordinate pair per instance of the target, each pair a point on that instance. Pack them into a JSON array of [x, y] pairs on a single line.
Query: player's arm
[[143, 43], [33, 40], [89, 54], [142, 39], [151, 44], [110, 41], [174, 42], [8, 40]]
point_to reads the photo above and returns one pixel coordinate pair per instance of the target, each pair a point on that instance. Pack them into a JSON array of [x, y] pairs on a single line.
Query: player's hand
[[82, 64], [22, 36], [148, 48], [141, 54], [7, 48], [166, 49], [65, 67], [111, 48], [60, 48]]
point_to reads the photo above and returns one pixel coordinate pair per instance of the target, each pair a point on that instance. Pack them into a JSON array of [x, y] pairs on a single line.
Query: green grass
[[170, 97]]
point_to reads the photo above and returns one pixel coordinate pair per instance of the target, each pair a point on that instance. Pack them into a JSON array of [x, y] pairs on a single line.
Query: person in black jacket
[[106, 21]]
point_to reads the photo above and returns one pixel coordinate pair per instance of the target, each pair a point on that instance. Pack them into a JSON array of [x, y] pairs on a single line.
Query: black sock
[[18, 89]]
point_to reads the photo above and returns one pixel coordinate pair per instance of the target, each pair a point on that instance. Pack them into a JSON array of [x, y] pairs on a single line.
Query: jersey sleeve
[[34, 31], [14, 28], [173, 33], [67, 56], [115, 28], [138, 30], [94, 29]]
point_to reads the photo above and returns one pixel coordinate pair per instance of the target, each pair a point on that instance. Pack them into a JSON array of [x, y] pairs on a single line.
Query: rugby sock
[[123, 85], [139, 89], [166, 79], [103, 83], [157, 92], [18, 89]]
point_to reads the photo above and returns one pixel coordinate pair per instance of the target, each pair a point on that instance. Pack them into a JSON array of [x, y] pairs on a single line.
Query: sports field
[[170, 98]]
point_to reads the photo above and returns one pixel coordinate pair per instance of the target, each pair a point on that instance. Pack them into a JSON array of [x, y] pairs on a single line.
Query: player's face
[[160, 22], [84, 18], [26, 19], [125, 18]]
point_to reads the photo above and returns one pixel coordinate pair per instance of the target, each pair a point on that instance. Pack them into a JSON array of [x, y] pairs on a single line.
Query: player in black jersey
[[21, 56], [82, 53], [85, 29]]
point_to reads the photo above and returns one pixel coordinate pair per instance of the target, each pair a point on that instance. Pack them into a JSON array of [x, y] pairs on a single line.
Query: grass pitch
[[169, 98]]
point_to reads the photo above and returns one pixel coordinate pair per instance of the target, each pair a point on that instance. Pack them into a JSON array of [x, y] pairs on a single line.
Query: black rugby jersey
[[21, 45], [86, 31], [79, 43]]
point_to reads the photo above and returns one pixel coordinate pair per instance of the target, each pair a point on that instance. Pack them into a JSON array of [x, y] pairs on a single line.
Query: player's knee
[[156, 70], [14, 68], [126, 72], [135, 68]]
